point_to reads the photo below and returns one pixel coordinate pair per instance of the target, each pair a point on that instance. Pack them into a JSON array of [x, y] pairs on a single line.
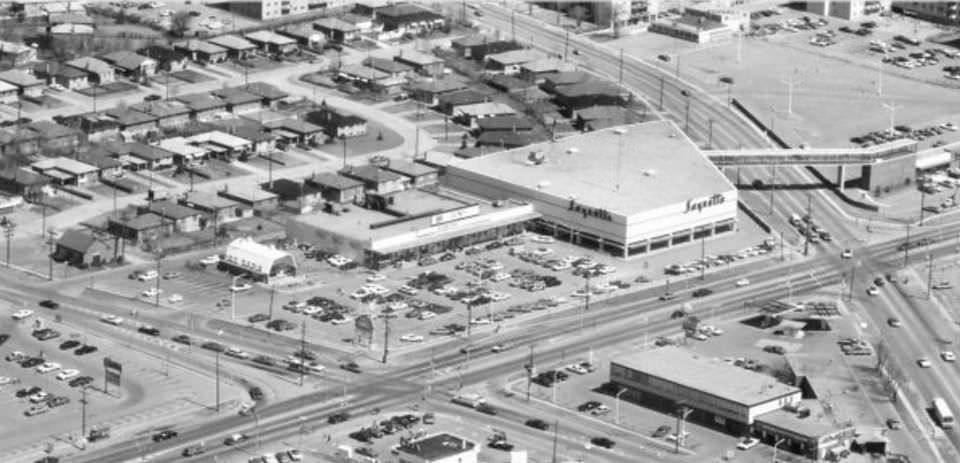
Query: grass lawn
[[190, 76]]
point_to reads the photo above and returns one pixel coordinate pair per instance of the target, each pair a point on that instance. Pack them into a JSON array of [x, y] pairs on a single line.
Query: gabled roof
[[50, 130], [72, 29], [508, 83], [567, 78], [248, 129], [332, 180], [235, 96], [23, 177], [462, 97], [76, 240], [181, 147], [442, 85], [207, 201], [232, 42], [201, 46], [504, 123], [368, 173], [88, 64], [484, 109], [386, 65], [99, 160], [147, 152], [217, 137], [7, 87], [546, 65], [145, 221], [296, 126], [270, 38], [19, 78], [602, 112], [172, 210], [162, 53], [162, 109], [264, 90], [300, 31], [59, 70], [288, 188], [13, 47], [416, 58], [202, 101], [362, 72], [125, 59], [130, 117], [516, 56], [65, 164]]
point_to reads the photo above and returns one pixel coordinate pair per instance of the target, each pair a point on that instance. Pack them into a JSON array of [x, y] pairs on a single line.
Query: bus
[[942, 413]]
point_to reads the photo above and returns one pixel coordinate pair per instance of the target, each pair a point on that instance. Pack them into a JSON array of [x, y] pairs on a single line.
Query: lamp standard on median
[[8, 226], [619, 393], [686, 111]]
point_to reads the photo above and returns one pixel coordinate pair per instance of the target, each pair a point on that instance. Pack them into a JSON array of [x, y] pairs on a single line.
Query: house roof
[[296, 126], [437, 447], [505, 139], [546, 65], [409, 169], [59, 70], [264, 90], [22, 176], [504, 123], [236, 96], [128, 117], [248, 129], [462, 97], [172, 210], [508, 83], [288, 188], [217, 137], [13, 47], [202, 101], [70, 18], [484, 109], [271, 38], [335, 24], [147, 152], [332, 180], [602, 112], [144, 221], [71, 29], [415, 58], [50, 130], [567, 78], [597, 87], [386, 65], [64, 164], [201, 46], [206, 201], [76, 240], [327, 117], [406, 12], [89, 64], [100, 160], [181, 147], [300, 31], [162, 53], [7, 88], [19, 78], [516, 56], [232, 42], [162, 109], [247, 253], [471, 41], [442, 85], [369, 173], [361, 71], [126, 60]]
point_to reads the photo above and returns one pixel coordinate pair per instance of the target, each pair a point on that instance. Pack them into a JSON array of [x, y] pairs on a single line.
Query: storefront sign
[[455, 214], [700, 205], [590, 211]]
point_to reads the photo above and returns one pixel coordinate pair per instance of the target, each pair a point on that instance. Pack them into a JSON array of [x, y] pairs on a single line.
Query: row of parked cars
[[392, 425], [878, 137]]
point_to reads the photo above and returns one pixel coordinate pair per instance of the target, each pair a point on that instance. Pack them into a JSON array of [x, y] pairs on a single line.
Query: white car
[[408, 290], [601, 410], [112, 319], [948, 356], [22, 314], [312, 309], [426, 315], [237, 353], [67, 374], [748, 443], [295, 306], [240, 287], [577, 368], [542, 239], [341, 321], [742, 282], [4, 380], [148, 275], [873, 291], [210, 260], [398, 305], [359, 294], [480, 321], [376, 277], [374, 288], [48, 367], [175, 298], [606, 269], [700, 337], [578, 294], [498, 296], [39, 397], [411, 338], [151, 292], [924, 363], [846, 254], [500, 276]]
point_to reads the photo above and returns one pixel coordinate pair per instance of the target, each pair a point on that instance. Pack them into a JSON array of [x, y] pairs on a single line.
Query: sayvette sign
[[587, 211], [701, 204]]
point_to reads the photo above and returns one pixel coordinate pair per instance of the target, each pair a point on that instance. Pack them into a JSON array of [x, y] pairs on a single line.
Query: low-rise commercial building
[[202, 51], [260, 262], [81, 248], [696, 29], [98, 72], [422, 63], [438, 448], [27, 85]]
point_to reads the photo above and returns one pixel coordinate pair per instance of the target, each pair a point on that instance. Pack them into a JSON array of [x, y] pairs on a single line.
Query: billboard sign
[[112, 370]]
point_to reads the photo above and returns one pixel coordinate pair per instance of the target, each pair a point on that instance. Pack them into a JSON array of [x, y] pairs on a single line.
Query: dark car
[[702, 292], [486, 408], [49, 304], [149, 330], [69, 344], [4, 338], [665, 58], [193, 450], [679, 313], [879, 282], [166, 434], [85, 349], [153, 97], [46, 334], [603, 442], [779, 350], [338, 418], [265, 360], [48, 459], [26, 392], [214, 346], [57, 401], [258, 317], [351, 367], [256, 393], [662, 432], [500, 444], [587, 406], [537, 423], [31, 362], [81, 381], [182, 339]]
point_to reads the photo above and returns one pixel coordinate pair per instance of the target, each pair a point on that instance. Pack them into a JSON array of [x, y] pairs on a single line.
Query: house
[[133, 123], [184, 219], [537, 70], [55, 137], [239, 101], [375, 180], [203, 106], [361, 74], [446, 103], [600, 117], [221, 144], [256, 198], [437, 448], [337, 125], [505, 140], [9, 93], [510, 84], [217, 209], [27, 85], [428, 91], [22, 142], [66, 171], [202, 51], [97, 126], [300, 196], [408, 18], [106, 165], [98, 72], [295, 131], [156, 158], [139, 228], [16, 54], [170, 113], [468, 114], [504, 124], [477, 47], [553, 81], [184, 152], [273, 43], [237, 47], [32, 186], [268, 93], [305, 35], [337, 188], [509, 62], [337, 30], [389, 67], [168, 58], [418, 175], [259, 135], [422, 63], [130, 64], [55, 73], [591, 93], [81, 248]]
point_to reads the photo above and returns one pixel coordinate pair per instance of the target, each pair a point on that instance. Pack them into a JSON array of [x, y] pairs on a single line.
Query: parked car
[[604, 442], [166, 434]]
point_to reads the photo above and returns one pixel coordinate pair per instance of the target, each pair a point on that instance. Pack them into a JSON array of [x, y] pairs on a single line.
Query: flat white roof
[[65, 164], [625, 170], [249, 254]]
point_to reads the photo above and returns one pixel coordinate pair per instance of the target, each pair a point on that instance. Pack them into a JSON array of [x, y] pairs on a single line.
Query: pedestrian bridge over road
[[813, 157]]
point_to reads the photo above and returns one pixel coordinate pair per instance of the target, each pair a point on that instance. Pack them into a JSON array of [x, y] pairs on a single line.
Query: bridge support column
[[841, 176]]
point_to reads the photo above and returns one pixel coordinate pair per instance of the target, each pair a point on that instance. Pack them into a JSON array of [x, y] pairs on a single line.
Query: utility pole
[[556, 432], [273, 295], [806, 234], [218, 379], [686, 112], [345, 150], [156, 297], [660, 103], [930, 276], [620, 80], [469, 322], [83, 413], [386, 336], [773, 185], [303, 351], [906, 248], [530, 370], [790, 83], [880, 77], [923, 204], [710, 134]]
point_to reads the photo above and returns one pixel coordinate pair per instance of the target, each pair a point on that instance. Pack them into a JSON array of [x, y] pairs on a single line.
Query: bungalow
[[55, 137], [156, 158], [269, 94], [184, 219], [67, 77], [375, 180], [239, 101], [418, 175], [32, 186], [505, 140], [271, 42], [477, 47], [591, 93], [469, 113], [130, 64], [66, 171], [553, 81], [168, 58], [304, 196], [184, 152], [428, 65], [170, 113], [304, 34], [139, 228], [97, 126], [202, 51], [428, 92], [121, 152], [106, 165], [446, 103], [221, 144], [504, 124], [296, 131], [16, 54], [599, 117], [389, 67], [98, 72], [256, 199], [364, 22], [509, 62], [237, 47], [203, 106], [362, 74], [537, 70], [217, 209], [337, 125], [510, 84], [23, 142], [133, 123], [9, 93], [337, 188], [337, 30], [27, 85], [260, 137], [81, 248], [408, 18]]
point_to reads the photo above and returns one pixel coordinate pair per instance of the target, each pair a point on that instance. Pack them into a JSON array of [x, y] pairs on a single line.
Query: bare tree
[[578, 12], [180, 23]]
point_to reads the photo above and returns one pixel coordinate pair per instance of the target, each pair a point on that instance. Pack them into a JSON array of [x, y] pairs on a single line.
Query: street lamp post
[[775, 446], [622, 390], [233, 298], [218, 379], [8, 227], [686, 112]]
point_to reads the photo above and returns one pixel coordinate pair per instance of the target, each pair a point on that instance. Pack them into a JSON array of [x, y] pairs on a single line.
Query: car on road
[[112, 320], [236, 353], [22, 314], [873, 291], [265, 360], [588, 406], [81, 381], [214, 346], [702, 292], [774, 349], [924, 363], [4, 380], [668, 296], [742, 282], [600, 410], [85, 349], [149, 330], [255, 393], [894, 423], [258, 317], [497, 348], [69, 373], [846, 254], [352, 367], [604, 442], [57, 401], [166, 434], [577, 368], [151, 292], [147, 275], [537, 423], [48, 367], [154, 96], [50, 304], [239, 287], [172, 275], [894, 322], [879, 282], [948, 356], [747, 443], [175, 298], [338, 418], [662, 431], [411, 338], [182, 339], [235, 439], [193, 450], [210, 260]]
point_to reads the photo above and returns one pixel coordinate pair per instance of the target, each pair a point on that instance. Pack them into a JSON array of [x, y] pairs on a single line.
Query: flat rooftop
[[706, 374], [437, 447], [657, 162]]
